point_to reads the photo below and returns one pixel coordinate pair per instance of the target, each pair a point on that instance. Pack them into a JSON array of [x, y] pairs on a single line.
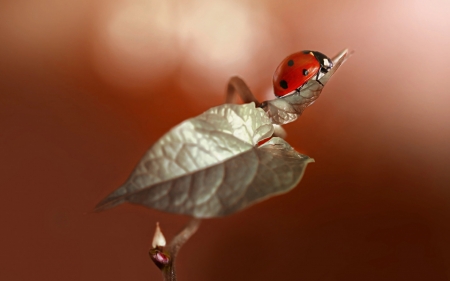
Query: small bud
[[161, 259], [158, 238]]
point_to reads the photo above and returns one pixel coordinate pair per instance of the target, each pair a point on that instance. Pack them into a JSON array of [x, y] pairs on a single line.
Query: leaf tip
[[105, 204], [112, 200]]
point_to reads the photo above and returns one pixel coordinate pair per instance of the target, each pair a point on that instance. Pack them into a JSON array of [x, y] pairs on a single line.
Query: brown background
[[87, 86]]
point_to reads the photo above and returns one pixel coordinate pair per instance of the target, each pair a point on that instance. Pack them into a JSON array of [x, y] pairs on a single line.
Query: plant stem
[[175, 245], [237, 86]]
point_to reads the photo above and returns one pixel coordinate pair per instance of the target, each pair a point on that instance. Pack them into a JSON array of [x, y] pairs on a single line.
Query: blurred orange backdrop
[[87, 86]]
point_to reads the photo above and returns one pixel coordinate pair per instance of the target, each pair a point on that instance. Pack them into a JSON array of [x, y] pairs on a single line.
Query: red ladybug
[[297, 69]]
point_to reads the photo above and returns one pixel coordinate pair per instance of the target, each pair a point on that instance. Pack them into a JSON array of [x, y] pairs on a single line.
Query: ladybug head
[[325, 62]]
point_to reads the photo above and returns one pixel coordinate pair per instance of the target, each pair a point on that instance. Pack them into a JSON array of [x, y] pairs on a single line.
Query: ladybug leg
[[300, 88], [237, 85], [317, 79]]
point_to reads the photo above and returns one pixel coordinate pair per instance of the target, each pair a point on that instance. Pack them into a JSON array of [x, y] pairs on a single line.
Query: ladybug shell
[[294, 71]]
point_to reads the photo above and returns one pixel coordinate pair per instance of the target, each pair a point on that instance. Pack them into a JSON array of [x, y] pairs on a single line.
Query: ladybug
[[297, 69]]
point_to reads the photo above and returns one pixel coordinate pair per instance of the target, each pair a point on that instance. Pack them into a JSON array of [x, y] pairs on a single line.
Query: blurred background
[[87, 86]]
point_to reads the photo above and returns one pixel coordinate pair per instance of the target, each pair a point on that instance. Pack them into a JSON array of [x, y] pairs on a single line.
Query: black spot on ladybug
[[290, 62], [305, 72], [283, 84]]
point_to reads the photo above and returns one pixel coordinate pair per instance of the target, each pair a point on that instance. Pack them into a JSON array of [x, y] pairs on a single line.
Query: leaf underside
[[227, 187], [211, 166]]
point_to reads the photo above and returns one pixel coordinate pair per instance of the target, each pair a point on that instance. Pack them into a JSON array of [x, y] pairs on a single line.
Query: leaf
[[289, 108], [210, 165]]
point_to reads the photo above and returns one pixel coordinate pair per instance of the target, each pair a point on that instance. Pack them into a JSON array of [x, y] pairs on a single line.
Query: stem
[[237, 86], [175, 245]]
